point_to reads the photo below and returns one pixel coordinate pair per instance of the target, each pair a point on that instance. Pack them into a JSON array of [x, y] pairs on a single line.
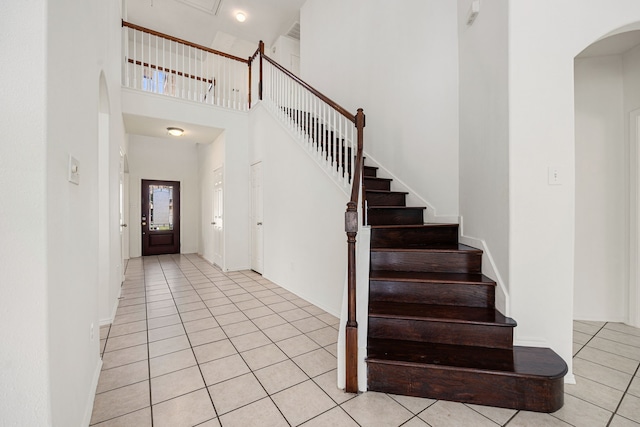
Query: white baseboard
[[92, 394], [569, 379], [489, 269], [109, 321]]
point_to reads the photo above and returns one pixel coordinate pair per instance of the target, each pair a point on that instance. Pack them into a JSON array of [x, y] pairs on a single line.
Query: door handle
[[124, 225], [259, 223]]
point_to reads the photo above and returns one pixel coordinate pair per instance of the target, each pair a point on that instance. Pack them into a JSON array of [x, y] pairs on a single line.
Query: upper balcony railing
[[158, 63]]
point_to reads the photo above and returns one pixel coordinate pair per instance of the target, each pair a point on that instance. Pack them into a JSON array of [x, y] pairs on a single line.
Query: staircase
[[433, 327]]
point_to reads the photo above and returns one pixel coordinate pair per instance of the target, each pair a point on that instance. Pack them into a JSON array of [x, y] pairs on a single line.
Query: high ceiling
[[212, 23]]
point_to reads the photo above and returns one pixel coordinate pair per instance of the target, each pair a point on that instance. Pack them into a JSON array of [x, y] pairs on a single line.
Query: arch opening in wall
[[607, 91]]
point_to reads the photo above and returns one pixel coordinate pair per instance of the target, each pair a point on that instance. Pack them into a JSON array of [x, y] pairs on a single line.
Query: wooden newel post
[[351, 336], [261, 45], [351, 228]]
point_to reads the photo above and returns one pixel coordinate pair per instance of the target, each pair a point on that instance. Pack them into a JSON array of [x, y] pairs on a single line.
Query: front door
[[160, 217]]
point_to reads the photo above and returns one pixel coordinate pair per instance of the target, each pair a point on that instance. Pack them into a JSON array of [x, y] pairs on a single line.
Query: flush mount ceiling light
[[241, 17], [175, 131]]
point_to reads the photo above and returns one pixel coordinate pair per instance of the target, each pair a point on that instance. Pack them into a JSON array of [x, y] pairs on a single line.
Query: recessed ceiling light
[[241, 17], [175, 131]]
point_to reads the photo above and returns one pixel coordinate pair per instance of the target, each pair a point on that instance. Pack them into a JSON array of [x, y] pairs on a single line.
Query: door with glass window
[[160, 217]]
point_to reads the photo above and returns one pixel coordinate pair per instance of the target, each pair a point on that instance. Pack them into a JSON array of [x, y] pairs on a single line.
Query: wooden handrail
[[313, 90], [177, 40], [169, 70]]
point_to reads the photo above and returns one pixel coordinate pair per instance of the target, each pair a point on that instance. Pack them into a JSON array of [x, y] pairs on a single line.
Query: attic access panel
[[211, 7]]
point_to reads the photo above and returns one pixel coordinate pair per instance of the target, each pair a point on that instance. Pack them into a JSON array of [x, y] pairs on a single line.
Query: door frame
[[218, 254], [257, 265], [144, 221], [633, 293]]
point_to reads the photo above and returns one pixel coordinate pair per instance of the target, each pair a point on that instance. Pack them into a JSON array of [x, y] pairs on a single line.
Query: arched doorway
[[607, 92]]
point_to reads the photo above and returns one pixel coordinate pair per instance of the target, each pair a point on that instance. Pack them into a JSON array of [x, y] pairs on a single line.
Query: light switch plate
[[74, 170], [554, 176]]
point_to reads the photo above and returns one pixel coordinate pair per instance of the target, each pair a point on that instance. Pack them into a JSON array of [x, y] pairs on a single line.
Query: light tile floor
[[191, 345]]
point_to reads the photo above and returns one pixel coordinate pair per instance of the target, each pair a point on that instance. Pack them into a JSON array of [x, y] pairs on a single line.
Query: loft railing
[[162, 64]]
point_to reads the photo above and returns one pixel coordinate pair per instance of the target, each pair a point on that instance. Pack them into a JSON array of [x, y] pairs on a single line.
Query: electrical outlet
[[91, 332]]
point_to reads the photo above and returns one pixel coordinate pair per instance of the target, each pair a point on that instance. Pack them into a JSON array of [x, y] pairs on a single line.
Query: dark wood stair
[[433, 327]]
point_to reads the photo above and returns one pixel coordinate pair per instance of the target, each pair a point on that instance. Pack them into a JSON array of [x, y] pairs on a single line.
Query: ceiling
[[212, 23], [157, 128]]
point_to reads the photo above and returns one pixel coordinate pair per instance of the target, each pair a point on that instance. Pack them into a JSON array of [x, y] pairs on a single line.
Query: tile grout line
[[274, 343], [204, 381]]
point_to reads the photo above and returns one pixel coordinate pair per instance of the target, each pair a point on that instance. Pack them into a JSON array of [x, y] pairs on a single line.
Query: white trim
[[569, 378], [300, 142], [633, 289], [88, 410], [489, 269], [108, 321], [413, 198]]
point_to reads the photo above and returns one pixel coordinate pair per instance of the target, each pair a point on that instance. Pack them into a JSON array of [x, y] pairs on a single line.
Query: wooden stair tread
[[385, 191], [521, 361], [397, 207], [376, 178], [439, 313], [425, 225], [429, 277], [438, 247]]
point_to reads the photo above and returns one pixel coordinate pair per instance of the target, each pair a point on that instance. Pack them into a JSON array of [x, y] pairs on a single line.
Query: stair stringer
[[363, 246], [288, 124], [413, 198], [489, 269]]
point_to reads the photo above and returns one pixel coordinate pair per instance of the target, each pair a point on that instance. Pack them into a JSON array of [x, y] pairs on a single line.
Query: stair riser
[[413, 237], [441, 332], [433, 293], [369, 171], [386, 199], [481, 388], [391, 216], [435, 262], [374, 184]]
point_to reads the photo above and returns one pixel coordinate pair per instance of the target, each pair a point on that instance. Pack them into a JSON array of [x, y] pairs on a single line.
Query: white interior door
[[217, 223], [257, 239]]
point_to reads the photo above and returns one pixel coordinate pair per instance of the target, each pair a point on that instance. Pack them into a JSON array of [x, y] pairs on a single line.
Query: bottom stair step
[[524, 378]]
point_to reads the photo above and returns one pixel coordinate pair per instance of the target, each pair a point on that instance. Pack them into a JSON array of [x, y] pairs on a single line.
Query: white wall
[[167, 160], [305, 248], [601, 248], [286, 52], [542, 47], [236, 153], [25, 390], [398, 61], [210, 158], [50, 365], [484, 134]]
